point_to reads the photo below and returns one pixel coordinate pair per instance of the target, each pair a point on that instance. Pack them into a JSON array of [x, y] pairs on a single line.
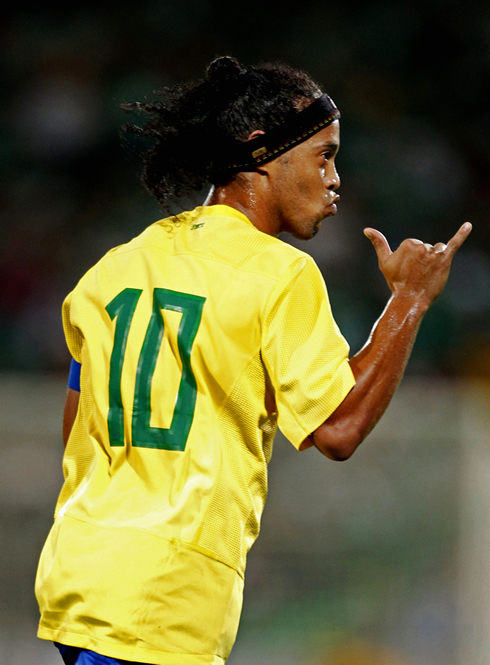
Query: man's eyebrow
[[330, 146]]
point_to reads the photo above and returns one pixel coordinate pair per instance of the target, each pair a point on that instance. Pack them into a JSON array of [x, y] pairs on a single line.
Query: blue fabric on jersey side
[[76, 656], [74, 375]]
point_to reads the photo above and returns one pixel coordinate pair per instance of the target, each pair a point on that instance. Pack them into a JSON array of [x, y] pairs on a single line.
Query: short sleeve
[[73, 336], [304, 352]]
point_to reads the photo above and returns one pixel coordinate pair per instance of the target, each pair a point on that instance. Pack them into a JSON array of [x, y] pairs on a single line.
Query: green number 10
[[143, 434]]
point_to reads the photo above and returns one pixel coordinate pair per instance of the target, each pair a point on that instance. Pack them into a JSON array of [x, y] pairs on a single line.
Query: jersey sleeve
[[304, 352], [73, 335]]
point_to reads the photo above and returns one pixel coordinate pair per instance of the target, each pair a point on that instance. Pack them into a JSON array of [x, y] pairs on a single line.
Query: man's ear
[[254, 134]]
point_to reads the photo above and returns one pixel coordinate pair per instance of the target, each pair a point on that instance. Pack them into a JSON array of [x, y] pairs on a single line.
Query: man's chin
[[330, 212], [308, 231], [316, 229], [317, 226]]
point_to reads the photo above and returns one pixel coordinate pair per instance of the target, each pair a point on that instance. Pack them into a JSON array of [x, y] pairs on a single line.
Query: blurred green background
[[411, 80], [358, 563]]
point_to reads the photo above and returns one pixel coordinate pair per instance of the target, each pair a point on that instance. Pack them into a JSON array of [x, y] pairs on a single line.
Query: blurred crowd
[[410, 78]]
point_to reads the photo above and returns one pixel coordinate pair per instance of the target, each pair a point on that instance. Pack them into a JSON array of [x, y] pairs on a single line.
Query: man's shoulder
[[225, 234], [207, 233]]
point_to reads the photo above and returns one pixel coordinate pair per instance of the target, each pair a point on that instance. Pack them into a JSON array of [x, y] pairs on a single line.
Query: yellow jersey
[[196, 339]]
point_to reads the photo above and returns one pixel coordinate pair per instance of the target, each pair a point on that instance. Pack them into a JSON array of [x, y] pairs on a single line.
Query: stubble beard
[[316, 228]]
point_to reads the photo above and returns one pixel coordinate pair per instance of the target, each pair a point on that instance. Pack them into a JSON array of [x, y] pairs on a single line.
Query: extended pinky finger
[[458, 239]]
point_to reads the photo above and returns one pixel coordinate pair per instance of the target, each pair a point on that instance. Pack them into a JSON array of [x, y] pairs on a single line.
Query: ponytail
[[190, 126]]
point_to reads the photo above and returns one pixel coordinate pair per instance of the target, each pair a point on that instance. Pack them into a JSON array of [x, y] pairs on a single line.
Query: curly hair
[[189, 125]]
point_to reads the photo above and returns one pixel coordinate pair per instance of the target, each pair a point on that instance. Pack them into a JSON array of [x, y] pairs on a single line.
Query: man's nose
[[332, 178]]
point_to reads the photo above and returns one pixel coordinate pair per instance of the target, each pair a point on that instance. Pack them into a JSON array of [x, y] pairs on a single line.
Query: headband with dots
[[247, 155]]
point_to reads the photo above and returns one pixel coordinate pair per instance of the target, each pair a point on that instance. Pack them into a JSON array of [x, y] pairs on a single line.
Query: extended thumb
[[380, 243]]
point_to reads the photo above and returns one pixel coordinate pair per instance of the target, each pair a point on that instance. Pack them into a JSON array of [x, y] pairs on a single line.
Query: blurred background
[[378, 560]]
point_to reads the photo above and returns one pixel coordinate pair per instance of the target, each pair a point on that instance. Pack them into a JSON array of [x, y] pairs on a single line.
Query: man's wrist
[[415, 304]]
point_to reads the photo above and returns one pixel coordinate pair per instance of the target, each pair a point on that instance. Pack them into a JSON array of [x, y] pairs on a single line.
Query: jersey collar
[[221, 210]]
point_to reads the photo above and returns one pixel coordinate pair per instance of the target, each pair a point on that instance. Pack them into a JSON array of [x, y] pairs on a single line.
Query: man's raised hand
[[416, 269]]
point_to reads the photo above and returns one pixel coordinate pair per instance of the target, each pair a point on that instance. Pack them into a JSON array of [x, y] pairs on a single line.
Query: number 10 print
[[144, 435]]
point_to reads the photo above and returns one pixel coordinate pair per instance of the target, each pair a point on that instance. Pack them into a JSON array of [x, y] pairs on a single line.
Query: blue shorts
[[76, 656]]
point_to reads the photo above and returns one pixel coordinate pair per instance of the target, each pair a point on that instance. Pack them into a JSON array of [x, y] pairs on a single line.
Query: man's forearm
[[378, 368], [70, 412], [416, 273]]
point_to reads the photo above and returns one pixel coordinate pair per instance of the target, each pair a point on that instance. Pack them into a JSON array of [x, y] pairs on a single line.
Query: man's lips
[[333, 204]]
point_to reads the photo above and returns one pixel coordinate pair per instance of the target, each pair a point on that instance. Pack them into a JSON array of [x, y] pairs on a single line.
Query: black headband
[[247, 155]]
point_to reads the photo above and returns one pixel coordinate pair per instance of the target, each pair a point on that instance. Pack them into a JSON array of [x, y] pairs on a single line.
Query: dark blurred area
[[378, 561], [411, 80]]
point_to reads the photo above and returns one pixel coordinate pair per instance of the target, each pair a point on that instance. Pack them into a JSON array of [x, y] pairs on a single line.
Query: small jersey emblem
[[197, 226]]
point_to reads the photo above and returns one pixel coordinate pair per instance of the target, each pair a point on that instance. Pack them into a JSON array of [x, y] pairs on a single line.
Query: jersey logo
[[143, 435]]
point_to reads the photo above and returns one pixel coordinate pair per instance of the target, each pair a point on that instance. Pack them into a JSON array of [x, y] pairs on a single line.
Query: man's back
[[175, 332]]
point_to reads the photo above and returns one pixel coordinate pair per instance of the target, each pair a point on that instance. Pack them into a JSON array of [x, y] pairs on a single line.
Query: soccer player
[[194, 341]]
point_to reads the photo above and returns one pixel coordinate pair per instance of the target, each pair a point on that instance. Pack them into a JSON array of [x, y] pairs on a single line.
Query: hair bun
[[223, 70]]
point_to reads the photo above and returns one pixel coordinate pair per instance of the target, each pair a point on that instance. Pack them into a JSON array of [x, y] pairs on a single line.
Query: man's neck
[[245, 196]]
